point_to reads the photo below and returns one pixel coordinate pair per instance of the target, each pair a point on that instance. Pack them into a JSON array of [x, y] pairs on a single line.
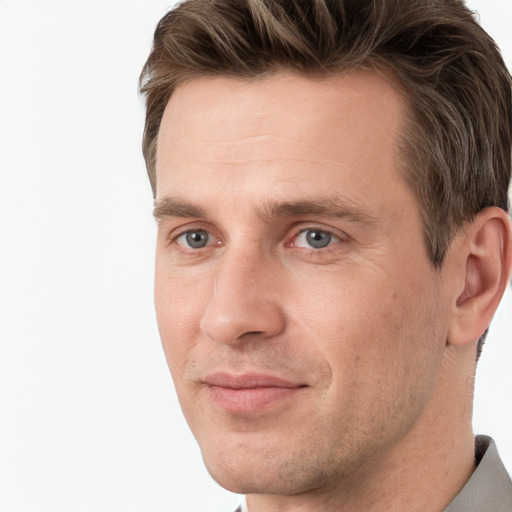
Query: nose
[[244, 300]]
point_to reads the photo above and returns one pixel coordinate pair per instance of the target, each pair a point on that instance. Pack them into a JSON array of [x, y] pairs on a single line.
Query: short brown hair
[[457, 144]]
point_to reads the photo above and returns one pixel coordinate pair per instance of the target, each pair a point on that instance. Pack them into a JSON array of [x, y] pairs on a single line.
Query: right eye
[[195, 239]]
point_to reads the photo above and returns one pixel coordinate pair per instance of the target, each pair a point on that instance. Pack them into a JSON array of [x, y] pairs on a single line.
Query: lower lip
[[249, 399]]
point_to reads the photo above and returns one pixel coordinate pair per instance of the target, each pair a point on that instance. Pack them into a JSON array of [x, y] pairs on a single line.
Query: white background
[[88, 415]]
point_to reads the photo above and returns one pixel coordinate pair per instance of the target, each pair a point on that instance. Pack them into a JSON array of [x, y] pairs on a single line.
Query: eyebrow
[[330, 207], [173, 207]]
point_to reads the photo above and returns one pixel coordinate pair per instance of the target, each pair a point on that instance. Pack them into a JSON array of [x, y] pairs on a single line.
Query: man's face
[[301, 319]]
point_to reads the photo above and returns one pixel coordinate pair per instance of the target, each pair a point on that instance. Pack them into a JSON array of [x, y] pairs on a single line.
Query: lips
[[249, 392]]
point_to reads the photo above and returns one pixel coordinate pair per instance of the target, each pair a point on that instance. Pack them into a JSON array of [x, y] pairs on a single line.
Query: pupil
[[197, 239], [318, 239]]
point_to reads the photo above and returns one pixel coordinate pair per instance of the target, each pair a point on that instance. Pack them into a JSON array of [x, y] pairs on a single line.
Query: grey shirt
[[488, 490]]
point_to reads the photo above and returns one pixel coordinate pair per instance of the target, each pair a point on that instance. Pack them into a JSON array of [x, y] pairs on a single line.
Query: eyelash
[[173, 240], [312, 252]]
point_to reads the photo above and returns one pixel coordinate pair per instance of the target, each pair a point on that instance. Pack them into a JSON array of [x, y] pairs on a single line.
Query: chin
[[265, 474], [237, 472]]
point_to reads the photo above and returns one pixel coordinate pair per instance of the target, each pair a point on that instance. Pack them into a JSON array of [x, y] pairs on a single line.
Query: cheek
[[371, 331], [178, 310]]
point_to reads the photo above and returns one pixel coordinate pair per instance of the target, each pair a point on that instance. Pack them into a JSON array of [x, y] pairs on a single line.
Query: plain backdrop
[[88, 415]]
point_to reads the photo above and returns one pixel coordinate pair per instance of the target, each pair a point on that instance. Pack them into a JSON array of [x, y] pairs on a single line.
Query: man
[[330, 183]]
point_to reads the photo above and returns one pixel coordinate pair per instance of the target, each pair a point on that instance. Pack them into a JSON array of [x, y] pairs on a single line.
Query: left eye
[[315, 238], [195, 239]]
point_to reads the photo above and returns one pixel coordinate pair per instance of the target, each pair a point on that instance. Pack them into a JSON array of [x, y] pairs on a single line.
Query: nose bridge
[[242, 268], [242, 300]]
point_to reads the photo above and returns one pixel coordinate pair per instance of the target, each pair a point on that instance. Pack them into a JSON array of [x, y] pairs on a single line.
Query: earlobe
[[486, 270]]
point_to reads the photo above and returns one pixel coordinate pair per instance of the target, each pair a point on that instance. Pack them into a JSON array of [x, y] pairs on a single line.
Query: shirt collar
[[490, 487]]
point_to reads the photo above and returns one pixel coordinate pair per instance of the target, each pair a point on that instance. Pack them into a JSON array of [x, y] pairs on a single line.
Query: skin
[[363, 324]]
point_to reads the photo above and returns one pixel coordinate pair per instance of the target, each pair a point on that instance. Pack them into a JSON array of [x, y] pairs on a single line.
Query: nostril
[[251, 333]]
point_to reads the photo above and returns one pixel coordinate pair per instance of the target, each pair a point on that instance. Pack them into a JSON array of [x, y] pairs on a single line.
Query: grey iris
[[197, 239], [318, 239]]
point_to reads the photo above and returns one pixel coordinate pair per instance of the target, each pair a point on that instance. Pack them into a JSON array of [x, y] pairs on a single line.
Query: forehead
[[216, 104], [283, 129]]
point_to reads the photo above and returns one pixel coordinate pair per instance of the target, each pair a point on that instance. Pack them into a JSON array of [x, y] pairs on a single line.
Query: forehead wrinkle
[[227, 150]]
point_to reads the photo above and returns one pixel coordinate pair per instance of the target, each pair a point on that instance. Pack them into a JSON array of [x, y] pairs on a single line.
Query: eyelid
[[209, 242], [178, 232], [340, 236], [175, 233]]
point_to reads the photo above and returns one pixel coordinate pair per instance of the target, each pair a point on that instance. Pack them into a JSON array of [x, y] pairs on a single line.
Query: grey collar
[[489, 489]]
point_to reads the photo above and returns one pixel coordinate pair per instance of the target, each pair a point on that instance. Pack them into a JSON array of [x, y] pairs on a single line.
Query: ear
[[486, 252]]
